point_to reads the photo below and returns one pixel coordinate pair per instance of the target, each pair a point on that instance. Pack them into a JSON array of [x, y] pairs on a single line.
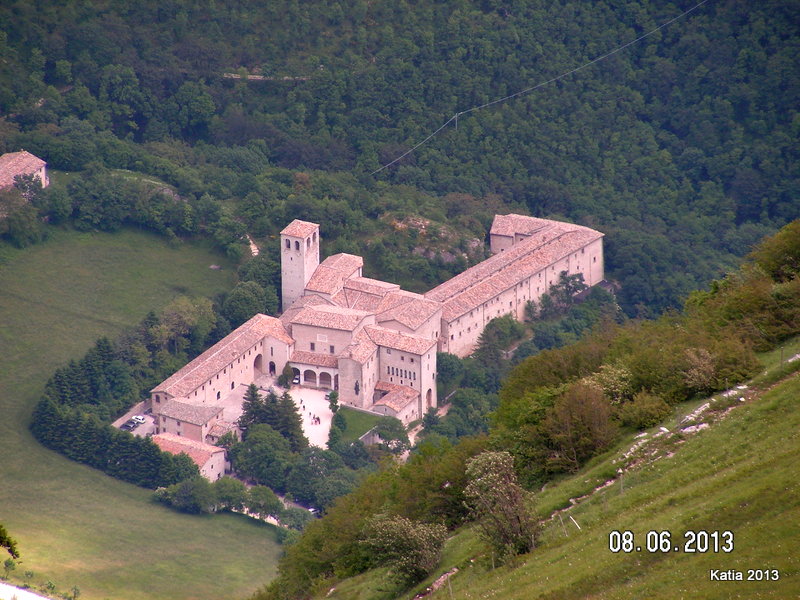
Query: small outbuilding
[[14, 164], [209, 459]]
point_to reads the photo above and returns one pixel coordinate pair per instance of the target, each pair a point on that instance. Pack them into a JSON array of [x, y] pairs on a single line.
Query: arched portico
[[429, 398], [310, 377], [258, 365], [325, 380], [271, 367]]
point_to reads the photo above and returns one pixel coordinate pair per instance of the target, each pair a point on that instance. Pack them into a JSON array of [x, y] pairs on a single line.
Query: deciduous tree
[[499, 504]]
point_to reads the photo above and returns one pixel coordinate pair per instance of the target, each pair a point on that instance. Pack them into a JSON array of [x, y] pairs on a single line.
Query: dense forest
[[681, 148]]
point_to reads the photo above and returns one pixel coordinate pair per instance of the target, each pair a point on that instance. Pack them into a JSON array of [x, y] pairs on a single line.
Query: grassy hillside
[[75, 526], [740, 475]]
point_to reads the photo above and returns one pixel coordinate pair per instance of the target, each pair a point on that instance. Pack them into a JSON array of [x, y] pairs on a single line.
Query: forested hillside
[[681, 148]]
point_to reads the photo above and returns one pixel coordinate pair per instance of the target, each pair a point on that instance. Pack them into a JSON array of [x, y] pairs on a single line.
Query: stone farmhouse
[[370, 340], [13, 164]]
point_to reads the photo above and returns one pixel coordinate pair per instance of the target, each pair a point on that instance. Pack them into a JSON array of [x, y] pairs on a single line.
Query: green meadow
[[358, 423], [75, 526]]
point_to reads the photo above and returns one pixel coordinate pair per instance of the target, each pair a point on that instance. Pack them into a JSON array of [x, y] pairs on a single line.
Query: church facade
[[368, 339]]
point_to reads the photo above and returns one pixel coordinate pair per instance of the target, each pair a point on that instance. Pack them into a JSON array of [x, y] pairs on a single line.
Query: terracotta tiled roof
[[508, 225], [399, 341], [361, 349], [480, 283], [398, 397], [314, 358], [326, 280], [18, 163], [174, 444], [331, 275], [370, 286], [291, 312], [412, 313], [330, 317], [220, 428], [195, 414], [301, 229], [223, 353], [346, 263], [357, 300]]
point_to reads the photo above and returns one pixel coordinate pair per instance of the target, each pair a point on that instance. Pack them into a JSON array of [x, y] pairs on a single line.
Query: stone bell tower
[[299, 259]]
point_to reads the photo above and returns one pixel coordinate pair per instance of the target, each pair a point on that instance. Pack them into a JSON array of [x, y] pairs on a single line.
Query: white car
[[139, 419]]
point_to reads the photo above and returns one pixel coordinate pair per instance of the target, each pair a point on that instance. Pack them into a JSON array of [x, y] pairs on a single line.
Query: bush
[[410, 549], [645, 410], [499, 504]]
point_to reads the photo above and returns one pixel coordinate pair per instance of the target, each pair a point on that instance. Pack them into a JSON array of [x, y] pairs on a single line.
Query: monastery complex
[[371, 341]]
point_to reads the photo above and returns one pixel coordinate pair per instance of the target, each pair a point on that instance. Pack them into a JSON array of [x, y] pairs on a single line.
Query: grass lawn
[[358, 423], [75, 526]]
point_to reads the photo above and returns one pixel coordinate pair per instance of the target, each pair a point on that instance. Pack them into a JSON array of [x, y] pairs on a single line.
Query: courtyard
[[310, 403]]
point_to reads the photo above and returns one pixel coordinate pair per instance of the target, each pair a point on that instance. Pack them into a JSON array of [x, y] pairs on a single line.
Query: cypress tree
[[290, 423], [252, 407]]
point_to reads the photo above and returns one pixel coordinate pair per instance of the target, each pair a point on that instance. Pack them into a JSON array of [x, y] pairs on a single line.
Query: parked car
[[128, 426], [138, 419], [296, 379]]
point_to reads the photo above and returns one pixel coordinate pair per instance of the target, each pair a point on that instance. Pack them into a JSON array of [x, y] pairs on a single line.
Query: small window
[[313, 346], [308, 242], [403, 358], [412, 360], [297, 245], [594, 259], [332, 349], [388, 351], [232, 384], [218, 394], [288, 244]]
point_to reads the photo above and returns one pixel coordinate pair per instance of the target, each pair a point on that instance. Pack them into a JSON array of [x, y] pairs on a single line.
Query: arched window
[[356, 388], [288, 244], [297, 245]]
